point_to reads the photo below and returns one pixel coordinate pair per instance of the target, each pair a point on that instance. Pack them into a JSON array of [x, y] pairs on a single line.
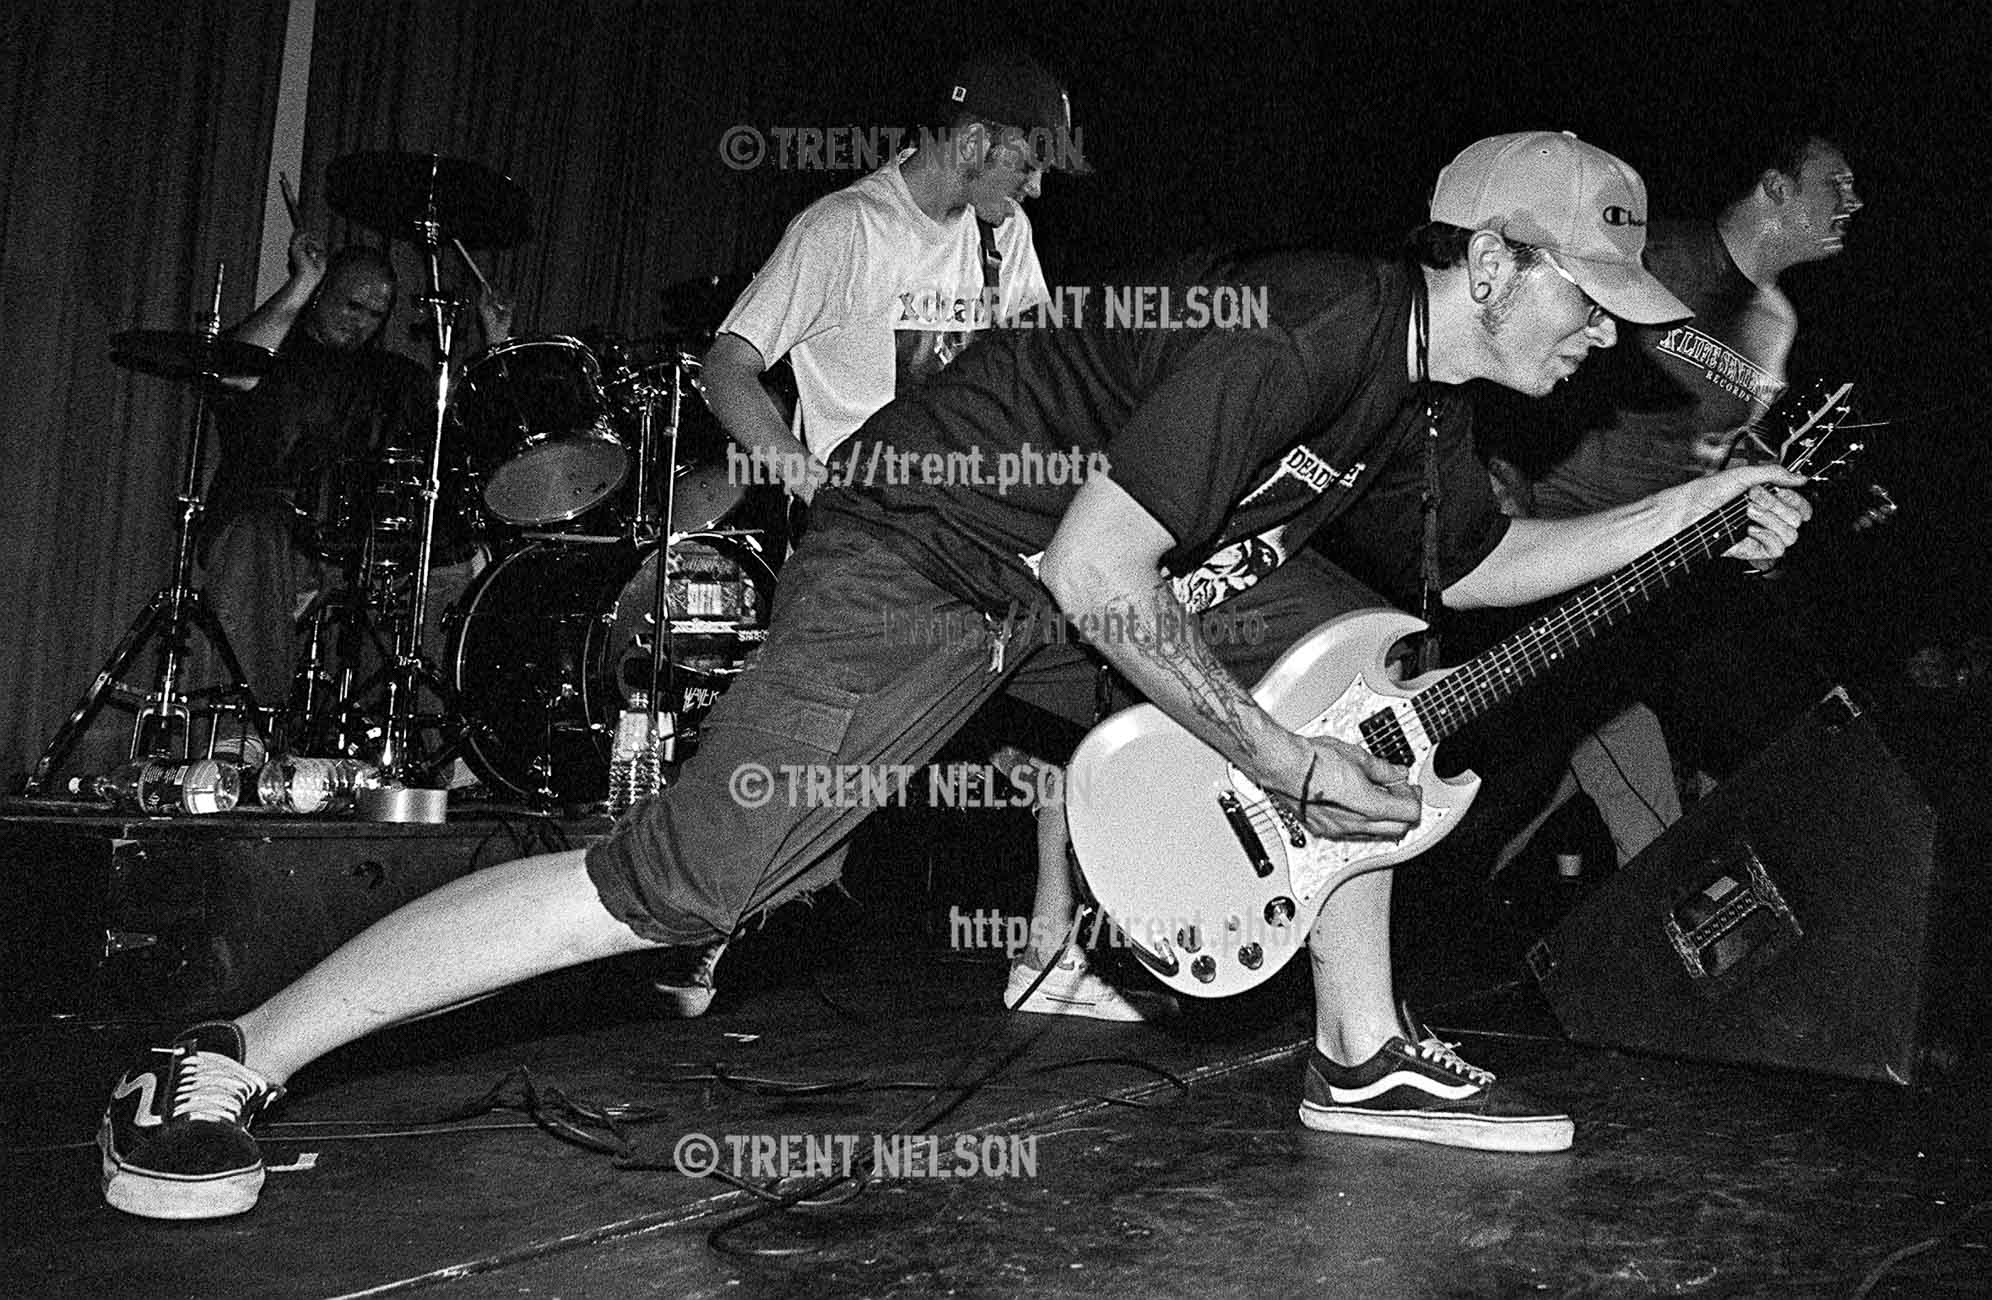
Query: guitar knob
[[1204, 969], [1188, 939], [1280, 911], [1251, 956]]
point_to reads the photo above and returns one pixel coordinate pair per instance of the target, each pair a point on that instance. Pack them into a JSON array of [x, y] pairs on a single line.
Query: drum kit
[[626, 565]]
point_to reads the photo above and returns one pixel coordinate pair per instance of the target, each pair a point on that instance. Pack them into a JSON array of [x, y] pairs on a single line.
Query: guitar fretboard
[[1483, 682]]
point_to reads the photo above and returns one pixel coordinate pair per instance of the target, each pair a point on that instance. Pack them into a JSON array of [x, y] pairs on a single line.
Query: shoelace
[[1440, 1052], [214, 1088]]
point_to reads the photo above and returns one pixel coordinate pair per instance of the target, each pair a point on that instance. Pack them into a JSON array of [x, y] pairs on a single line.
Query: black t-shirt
[[316, 406], [1279, 399], [311, 435]]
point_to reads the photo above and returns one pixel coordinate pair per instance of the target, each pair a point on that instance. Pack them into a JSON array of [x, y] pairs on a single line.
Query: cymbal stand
[[650, 464], [404, 684], [164, 720]]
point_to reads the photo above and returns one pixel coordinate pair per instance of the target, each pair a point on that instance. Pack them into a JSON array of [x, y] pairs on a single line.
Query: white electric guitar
[[1213, 885]]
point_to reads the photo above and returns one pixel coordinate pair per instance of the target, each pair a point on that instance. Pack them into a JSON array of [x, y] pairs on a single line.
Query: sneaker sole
[[1532, 1135], [1043, 1006], [684, 1001], [153, 1195]]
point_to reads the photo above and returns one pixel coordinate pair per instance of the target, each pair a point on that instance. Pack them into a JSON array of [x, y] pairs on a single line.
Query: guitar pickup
[[1248, 835]]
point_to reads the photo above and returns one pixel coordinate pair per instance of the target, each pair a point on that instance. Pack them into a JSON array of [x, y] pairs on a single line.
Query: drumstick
[[482, 283], [290, 198]]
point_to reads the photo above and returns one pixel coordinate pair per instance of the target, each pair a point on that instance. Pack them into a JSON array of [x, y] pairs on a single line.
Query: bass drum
[[547, 645]]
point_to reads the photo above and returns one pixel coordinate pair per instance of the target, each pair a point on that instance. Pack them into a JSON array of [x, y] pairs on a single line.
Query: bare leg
[[1056, 904], [477, 934], [1355, 1009]]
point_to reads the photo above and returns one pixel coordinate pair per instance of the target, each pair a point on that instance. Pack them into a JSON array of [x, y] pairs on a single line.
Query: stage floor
[[1140, 1159]]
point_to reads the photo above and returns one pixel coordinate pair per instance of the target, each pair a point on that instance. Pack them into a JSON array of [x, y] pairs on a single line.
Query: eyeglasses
[[1598, 314]]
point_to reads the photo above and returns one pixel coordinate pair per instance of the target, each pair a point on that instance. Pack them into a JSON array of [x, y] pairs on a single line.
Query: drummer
[[295, 440], [333, 396], [874, 288]]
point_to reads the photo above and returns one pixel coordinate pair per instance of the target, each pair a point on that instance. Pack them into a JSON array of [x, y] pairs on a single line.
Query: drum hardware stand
[[373, 586], [314, 680], [647, 526], [329, 715], [410, 671], [164, 720]]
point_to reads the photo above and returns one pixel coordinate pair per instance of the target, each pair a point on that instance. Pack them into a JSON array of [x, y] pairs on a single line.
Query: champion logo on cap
[[1550, 190]]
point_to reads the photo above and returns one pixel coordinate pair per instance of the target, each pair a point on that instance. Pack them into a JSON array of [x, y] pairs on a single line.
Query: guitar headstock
[[1804, 429]]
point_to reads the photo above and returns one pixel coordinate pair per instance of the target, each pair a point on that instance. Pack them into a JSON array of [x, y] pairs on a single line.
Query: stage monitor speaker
[[1788, 920]]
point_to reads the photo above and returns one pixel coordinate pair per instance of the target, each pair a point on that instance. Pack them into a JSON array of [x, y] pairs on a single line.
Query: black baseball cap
[[1015, 92]]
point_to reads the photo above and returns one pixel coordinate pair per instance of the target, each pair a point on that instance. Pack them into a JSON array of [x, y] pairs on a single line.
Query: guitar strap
[[992, 258], [1428, 567]]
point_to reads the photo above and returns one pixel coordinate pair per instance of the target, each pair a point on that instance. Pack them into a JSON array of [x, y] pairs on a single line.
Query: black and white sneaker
[[689, 989], [1417, 1087], [175, 1138]]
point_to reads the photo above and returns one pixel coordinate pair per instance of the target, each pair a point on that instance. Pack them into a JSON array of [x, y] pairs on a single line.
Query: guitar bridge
[[1248, 835]]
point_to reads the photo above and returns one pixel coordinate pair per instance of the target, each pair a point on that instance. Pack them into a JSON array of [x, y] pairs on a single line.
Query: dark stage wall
[[1207, 123]]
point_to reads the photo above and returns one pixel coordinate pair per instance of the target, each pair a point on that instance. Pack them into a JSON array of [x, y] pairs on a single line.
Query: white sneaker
[[690, 994], [1072, 989]]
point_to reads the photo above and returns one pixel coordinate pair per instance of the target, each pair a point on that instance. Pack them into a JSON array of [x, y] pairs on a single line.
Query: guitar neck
[[1477, 686]]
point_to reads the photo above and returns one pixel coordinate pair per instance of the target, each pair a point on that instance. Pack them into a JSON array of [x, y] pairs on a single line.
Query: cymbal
[[395, 192], [177, 355]]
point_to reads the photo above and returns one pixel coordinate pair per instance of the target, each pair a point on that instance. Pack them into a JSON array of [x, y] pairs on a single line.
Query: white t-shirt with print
[[863, 277]]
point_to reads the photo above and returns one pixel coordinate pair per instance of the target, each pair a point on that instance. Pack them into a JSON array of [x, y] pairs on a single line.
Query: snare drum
[[365, 499], [547, 644], [533, 428]]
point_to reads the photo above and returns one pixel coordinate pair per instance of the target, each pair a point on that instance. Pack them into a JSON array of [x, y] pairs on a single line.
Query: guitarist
[[1211, 451], [1679, 403]]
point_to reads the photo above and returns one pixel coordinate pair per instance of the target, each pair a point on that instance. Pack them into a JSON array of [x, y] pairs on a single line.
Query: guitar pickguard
[[1319, 863]]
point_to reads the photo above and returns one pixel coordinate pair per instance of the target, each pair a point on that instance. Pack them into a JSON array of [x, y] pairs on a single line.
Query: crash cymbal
[[395, 192], [177, 355]]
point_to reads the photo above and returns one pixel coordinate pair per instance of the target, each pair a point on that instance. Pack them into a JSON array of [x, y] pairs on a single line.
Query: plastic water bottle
[[153, 786], [314, 785], [628, 759], [647, 778], [210, 785]]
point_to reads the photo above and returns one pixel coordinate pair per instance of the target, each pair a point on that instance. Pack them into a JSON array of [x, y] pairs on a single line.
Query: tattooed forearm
[[1167, 640]]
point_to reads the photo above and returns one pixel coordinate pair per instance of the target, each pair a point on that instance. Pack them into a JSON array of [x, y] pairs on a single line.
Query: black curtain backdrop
[[135, 140], [1207, 123]]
